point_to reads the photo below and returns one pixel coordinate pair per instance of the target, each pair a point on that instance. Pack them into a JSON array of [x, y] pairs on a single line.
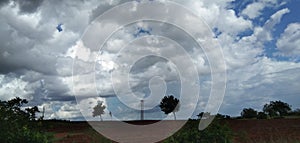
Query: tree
[[99, 110], [200, 115], [170, 104], [203, 115], [17, 125], [248, 113], [31, 111], [262, 115], [277, 108]]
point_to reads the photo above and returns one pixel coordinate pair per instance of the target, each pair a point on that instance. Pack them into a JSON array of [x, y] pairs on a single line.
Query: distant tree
[[200, 115], [99, 110], [227, 117], [248, 113], [295, 112], [31, 111], [220, 116], [277, 108], [170, 104], [262, 115]]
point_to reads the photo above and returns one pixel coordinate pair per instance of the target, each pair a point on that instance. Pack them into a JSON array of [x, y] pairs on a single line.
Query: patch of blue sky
[[291, 17], [239, 5]]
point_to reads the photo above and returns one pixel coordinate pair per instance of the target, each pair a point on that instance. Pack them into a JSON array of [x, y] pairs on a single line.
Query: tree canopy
[[248, 113], [169, 104], [99, 110], [277, 108], [17, 125]]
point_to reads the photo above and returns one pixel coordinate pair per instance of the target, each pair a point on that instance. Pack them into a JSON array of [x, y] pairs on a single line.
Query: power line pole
[[142, 109]]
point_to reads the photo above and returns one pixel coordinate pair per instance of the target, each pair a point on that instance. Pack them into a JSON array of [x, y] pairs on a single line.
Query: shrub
[[214, 133], [262, 115], [17, 125]]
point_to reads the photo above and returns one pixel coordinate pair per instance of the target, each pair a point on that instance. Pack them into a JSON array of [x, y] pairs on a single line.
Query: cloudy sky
[[148, 59]]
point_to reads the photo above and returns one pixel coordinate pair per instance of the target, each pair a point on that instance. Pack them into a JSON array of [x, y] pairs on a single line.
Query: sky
[[259, 40]]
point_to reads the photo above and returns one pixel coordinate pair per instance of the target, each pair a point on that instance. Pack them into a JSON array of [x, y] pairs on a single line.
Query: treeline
[[275, 109]]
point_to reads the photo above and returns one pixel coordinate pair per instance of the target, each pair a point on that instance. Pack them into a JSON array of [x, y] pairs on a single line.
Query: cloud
[[253, 10], [25, 7], [11, 86], [29, 6], [38, 65], [289, 41]]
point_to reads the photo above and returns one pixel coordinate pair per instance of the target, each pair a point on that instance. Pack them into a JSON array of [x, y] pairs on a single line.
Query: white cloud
[[289, 42], [12, 86], [253, 10], [42, 53]]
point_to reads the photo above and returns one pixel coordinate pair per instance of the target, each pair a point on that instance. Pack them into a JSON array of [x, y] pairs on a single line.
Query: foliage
[[216, 132], [204, 115], [169, 104], [17, 125], [220, 116], [277, 108], [99, 110], [295, 112], [262, 115], [249, 113]]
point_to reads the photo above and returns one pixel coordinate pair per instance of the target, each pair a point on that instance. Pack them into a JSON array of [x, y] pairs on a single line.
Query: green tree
[[16, 125], [170, 104], [99, 110], [262, 115], [277, 108], [200, 115], [248, 113], [31, 111]]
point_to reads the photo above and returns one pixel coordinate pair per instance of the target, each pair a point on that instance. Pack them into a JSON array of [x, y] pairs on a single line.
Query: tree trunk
[[101, 118], [174, 115]]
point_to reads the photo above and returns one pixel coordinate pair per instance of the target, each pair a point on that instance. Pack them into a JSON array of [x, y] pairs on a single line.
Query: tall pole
[[43, 115], [142, 109]]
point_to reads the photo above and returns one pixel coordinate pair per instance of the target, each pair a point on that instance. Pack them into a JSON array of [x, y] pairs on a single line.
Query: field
[[266, 131], [246, 131]]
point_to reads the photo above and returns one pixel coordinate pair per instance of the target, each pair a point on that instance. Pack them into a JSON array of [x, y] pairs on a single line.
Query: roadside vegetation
[[17, 125]]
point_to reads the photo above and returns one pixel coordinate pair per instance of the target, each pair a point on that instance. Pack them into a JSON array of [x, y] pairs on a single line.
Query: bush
[[214, 133], [248, 113], [262, 115], [17, 125]]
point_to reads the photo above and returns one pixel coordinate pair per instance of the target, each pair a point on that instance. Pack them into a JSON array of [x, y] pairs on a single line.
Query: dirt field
[[275, 130], [261, 131]]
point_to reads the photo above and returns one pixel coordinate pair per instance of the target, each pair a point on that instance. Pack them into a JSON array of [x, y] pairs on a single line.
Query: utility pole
[[142, 109]]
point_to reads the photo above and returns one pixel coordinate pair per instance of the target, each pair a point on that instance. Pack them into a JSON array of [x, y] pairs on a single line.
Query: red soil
[[272, 130]]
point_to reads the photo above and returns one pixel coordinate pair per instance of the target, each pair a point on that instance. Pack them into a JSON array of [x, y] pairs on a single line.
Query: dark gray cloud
[[25, 6], [4, 2], [29, 6]]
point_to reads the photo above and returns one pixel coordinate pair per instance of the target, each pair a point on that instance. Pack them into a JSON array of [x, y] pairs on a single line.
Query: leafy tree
[[200, 115], [262, 115], [32, 112], [295, 112], [248, 113], [170, 104], [205, 115], [16, 125], [277, 108], [99, 110]]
